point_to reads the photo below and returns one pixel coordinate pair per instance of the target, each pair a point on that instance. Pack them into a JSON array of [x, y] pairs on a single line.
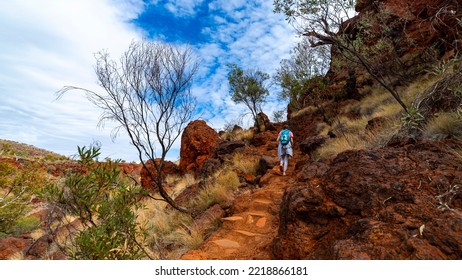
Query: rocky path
[[248, 234]]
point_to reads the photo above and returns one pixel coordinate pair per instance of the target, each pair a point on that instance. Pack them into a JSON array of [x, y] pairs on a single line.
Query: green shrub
[[412, 120], [16, 189], [106, 206], [25, 224]]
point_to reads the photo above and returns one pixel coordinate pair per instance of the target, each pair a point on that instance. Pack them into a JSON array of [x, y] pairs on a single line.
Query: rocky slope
[[402, 201]]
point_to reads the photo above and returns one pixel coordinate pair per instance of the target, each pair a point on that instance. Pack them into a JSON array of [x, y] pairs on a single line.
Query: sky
[[48, 44]]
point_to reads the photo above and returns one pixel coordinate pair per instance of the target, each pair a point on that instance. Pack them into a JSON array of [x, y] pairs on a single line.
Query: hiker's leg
[[286, 162]]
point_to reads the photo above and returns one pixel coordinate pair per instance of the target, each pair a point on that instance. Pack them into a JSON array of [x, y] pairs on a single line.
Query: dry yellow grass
[[182, 183], [36, 234], [159, 222], [352, 135], [390, 110], [189, 237], [444, 125], [306, 110], [344, 125], [227, 178], [323, 128], [244, 135], [334, 146], [240, 135], [379, 103], [378, 98], [220, 189], [457, 153], [17, 256], [244, 163], [416, 88]]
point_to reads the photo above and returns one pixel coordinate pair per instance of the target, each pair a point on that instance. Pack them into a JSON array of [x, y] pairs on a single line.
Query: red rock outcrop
[[132, 169], [168, 167], [10, 246], [398, 202], [198, 143]]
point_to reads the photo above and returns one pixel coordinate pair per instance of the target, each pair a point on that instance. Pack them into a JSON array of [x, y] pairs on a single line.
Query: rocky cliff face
[[422, 22], [417, 33]]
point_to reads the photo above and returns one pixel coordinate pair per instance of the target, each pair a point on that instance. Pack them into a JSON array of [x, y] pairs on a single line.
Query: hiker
[[285, 140]]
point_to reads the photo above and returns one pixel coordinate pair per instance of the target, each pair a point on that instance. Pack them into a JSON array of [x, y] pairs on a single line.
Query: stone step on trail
[[232, 218], [226, 243], [261, 223], [260, 204], [248, 233]]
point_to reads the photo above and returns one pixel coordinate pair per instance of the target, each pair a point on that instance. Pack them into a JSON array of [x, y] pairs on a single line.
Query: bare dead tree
[[148, 93]]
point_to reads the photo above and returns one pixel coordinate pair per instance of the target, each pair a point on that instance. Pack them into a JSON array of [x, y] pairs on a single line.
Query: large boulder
[[198, 143], [399, 202]]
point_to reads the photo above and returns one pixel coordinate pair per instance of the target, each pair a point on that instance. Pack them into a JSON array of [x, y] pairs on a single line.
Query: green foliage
[[16, 189], [311, 11], [412, 120], [25, 224], [105, 204], [278, 116], [295, 75], [248, 87]]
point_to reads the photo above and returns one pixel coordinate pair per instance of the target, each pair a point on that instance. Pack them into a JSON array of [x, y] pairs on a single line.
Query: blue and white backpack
[[285, 137]]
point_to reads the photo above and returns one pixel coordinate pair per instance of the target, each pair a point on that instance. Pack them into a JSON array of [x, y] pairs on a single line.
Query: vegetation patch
[[444, 125]]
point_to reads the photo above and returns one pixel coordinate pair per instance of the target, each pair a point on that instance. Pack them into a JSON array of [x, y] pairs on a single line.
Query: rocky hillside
[[19, 150]]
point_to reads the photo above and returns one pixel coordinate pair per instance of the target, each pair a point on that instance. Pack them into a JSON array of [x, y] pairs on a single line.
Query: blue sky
[[48, 44]]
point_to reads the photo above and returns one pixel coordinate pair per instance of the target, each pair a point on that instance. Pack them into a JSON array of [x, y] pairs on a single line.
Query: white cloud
[[48, 44], [250, 35], [183, 8]]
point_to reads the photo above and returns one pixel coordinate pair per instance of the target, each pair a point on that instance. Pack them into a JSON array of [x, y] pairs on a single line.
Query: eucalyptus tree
[[248, 87]]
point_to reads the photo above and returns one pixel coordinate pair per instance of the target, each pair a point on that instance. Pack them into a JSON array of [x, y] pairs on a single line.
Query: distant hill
[[14, 149]]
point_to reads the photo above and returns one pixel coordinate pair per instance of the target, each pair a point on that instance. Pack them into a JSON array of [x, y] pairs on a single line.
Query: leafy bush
[[16, 189], [106, 206], [412, 120]]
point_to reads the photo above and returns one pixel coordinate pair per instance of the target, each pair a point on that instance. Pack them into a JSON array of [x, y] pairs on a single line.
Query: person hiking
[[285, 140]]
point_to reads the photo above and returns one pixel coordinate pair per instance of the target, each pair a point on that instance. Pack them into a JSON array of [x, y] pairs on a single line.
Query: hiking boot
[[280, 168], [284, 174]]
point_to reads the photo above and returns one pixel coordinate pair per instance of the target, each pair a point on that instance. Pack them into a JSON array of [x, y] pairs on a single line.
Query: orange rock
[[198, 143]]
